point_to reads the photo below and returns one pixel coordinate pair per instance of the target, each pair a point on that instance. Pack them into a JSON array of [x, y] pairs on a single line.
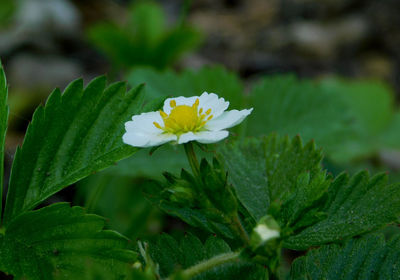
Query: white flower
[[198, 118]]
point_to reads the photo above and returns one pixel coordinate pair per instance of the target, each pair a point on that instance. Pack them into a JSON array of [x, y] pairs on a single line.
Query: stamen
[[210, 117], [196, 103], [163, 114], [157, 125], [208, 111], [172, 103], [201, 110]]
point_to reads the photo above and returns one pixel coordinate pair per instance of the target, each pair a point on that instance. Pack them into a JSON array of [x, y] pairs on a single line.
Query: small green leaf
[[352, 207], [366, 258], [60, 242], [3, 128], [74, 135]]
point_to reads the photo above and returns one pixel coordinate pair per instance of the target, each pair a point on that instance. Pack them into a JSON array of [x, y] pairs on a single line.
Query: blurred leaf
[[7, 9], [60, 242], [3, 128], [172, 255], [190, 83], [120, 200], [286, 105], [391, 136], [74, 135], [369, 257], [372, 102], [266, 170], [353, 207], [145, 40]]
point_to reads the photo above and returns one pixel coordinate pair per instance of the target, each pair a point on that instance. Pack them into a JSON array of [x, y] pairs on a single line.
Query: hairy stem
[[194, 164], [209, 264], [239, 229]]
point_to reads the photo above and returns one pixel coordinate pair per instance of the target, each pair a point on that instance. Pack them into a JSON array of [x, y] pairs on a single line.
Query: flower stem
[[238, 227], [209, 264], [194, 164]]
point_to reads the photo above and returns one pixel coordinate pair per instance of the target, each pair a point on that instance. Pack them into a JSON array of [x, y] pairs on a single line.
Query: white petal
[[227, 120], [213, 102], [145, 122], [144, 140], [189, 101], [204, 137], [141, 132]]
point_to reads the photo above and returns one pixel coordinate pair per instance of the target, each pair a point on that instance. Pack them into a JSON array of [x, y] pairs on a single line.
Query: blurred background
[[48, 43]]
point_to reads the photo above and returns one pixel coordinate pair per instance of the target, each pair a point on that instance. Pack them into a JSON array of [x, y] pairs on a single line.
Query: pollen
[[184, 118]]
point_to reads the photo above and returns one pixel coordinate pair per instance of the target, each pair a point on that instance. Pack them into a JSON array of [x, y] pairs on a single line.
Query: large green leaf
[[286, 105], [3, 128], [352, 207], [173, 256], [60, 242], [366, 258], [266, 170], [74, 135], [372, 104]]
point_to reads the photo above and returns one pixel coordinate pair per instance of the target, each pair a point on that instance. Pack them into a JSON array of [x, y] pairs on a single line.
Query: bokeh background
[[48, 43]]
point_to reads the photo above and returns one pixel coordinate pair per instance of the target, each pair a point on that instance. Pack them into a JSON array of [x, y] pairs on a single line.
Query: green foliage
[[352, 207], [182, 197], [266, 170], [372, 104], [286, 105], [369, 257], [190, 83], [3, 128], [74, 135], [60, 242], [144, 40], [119, 199], [292, 187], [172, 256], [7, 9]]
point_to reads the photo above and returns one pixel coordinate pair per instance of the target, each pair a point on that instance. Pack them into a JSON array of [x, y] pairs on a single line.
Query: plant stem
[[238, 227], [209, 264], [194, 164]]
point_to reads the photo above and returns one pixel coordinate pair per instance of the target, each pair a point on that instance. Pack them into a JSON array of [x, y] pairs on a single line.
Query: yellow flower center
[[184, 118]]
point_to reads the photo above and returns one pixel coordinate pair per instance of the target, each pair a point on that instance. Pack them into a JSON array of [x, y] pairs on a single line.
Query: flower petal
[[227, 119], [143, 140], [145, 122], [141, 132], [204, 137], [181, 100], [213, 102]]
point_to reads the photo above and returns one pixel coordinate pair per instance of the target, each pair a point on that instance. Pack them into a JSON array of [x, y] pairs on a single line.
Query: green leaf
[[60, 242], [372, 104], [145, 40], [369, 257], [286, 105], [352, 207], [3, 128], [266, 170], [120, 200], [190, 83], [177, 198], [74, 135], [173, 256]]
